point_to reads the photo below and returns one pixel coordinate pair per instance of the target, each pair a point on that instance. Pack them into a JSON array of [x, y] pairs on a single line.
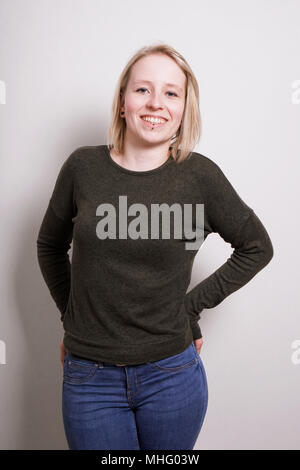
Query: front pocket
[[178, 362], [77, 371]]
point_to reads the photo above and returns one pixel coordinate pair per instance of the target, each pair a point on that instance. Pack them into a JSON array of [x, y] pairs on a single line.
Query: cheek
[[133, 104], [178, 111], [176, 119]]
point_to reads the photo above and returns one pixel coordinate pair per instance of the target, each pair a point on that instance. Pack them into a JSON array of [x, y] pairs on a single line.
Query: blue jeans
[[157, 405]]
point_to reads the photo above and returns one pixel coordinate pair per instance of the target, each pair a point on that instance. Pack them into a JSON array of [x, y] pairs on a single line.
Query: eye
[[141, 89], [167, 92]]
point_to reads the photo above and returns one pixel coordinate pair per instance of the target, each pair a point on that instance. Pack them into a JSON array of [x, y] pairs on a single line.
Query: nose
[[155, 101]]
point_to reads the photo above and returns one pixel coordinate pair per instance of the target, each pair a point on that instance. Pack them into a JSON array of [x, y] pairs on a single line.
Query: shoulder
[[82, 156], [203, 166], [85, 152]]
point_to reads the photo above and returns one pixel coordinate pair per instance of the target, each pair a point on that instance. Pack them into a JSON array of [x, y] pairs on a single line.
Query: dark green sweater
[[122, 298]]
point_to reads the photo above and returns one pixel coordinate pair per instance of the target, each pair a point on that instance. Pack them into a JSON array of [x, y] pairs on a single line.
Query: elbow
[[267, 253]]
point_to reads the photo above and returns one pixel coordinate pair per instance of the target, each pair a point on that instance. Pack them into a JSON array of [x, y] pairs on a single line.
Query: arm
[[55, 236], [227, 214]]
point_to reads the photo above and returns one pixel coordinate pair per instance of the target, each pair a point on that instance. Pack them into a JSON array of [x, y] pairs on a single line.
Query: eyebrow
[[168, 84]]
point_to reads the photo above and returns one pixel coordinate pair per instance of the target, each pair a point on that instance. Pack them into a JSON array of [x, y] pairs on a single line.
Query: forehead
[[160, 69]]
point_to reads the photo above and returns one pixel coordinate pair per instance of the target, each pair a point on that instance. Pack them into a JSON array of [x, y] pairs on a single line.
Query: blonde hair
[[189, 131]]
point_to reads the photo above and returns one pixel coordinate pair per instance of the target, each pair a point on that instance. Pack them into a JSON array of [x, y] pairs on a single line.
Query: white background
[[60, 61]]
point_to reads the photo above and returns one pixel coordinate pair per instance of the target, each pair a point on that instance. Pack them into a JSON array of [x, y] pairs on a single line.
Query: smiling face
[[156, 88]]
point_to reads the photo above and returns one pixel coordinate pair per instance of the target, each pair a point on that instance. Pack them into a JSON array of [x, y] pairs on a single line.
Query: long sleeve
[[227, 214], [55, 236]]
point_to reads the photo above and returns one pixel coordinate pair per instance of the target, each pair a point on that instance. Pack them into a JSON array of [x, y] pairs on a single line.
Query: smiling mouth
[[153, 124]]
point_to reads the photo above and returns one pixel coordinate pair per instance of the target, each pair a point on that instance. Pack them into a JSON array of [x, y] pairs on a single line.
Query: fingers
[[198, 344]]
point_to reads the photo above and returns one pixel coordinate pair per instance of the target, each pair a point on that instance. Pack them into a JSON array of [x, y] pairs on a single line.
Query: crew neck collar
[[134, 172]]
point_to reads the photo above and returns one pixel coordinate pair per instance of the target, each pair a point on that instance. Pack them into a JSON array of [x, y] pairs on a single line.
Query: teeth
[[155, 120]]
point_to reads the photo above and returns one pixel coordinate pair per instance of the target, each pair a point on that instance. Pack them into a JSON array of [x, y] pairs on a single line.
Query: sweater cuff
[[196, 330]]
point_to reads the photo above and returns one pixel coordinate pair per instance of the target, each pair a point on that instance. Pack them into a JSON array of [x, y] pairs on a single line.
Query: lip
[[151, 125], [152, 115]]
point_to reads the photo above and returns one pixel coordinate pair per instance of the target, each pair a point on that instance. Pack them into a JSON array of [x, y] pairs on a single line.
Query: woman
[[132, 374]]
